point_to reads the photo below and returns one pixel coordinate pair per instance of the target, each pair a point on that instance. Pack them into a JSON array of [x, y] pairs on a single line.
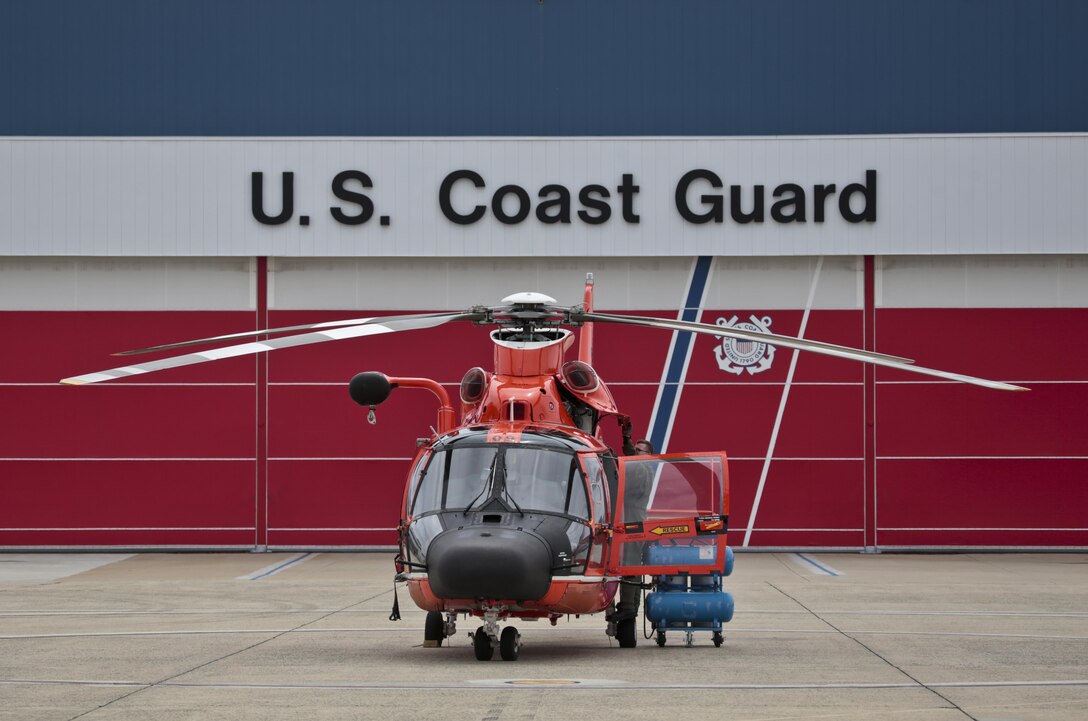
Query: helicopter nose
[[489, 562]]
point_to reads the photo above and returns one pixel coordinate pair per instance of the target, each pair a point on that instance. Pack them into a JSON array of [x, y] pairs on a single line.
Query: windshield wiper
[[473, 502], [487, 486], [506, 492]]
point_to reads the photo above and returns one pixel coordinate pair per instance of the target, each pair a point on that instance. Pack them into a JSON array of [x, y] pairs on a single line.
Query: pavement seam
[[789, 567], [580, 686], [933, 691], [165, 681]]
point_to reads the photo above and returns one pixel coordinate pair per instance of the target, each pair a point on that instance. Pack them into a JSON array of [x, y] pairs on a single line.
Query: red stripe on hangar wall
[[172, 459], [167, 502], [958, 465], [164, 460]]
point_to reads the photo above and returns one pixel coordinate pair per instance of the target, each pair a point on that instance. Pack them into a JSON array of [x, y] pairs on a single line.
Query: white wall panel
[[1073, 282], [621, 283], [458, 283], [775, 282], [191, 196], [127, 283], [1023, 281]]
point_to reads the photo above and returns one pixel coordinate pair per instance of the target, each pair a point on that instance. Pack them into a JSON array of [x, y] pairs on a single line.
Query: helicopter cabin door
[[671, 515]]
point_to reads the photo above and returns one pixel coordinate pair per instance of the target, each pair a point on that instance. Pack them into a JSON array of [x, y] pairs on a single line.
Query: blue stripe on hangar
[[679, 354]]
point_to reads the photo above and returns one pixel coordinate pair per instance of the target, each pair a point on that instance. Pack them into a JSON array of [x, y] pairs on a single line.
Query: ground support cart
[[688, 602]]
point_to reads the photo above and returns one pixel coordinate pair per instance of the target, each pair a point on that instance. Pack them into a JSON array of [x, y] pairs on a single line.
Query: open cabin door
[[671, 515]]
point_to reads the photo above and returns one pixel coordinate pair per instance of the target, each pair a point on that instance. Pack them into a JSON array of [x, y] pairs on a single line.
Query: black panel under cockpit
[[471, 552], [489, 561]]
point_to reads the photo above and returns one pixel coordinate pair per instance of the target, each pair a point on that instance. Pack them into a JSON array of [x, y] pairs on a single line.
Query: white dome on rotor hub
[[528, 298]]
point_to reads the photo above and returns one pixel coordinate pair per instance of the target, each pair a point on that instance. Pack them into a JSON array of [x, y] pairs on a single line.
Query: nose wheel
[[481, 644], [484, 643], [509, 644]]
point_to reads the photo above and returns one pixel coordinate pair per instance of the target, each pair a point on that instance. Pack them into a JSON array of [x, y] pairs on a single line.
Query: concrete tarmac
[[118, 637]]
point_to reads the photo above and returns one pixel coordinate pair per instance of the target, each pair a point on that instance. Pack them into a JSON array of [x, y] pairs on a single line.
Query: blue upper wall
[[553, 67]]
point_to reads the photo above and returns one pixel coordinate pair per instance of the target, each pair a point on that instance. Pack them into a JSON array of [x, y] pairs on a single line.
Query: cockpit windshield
[[523, 478]]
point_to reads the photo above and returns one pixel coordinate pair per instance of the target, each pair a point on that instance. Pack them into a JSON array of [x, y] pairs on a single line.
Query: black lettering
[[366, 205], [820, 194], [868, 194], [627, 190], [796, 201], [444, 197], [757, 205], [257, 199], [523, 204], [716, 212], [562, 203], [604, 210]]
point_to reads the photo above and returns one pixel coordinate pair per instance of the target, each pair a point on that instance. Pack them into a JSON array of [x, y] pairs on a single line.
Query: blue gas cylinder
[[688, 556], [703, 604], [691, 606]]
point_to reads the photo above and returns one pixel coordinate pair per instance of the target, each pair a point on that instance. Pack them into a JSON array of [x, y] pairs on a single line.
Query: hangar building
[[906, 177]]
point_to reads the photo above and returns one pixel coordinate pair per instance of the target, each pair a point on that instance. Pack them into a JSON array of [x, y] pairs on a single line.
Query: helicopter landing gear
[[481, 644], [623, 626], [626, 632], [487, 638], [436, 629], [509, 644]]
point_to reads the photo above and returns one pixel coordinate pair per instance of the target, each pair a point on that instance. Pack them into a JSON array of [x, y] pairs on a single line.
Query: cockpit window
[[414, 478], [428, 496], [597, 481], [469, 475], [455, 478], [524, 478], [540, 479]]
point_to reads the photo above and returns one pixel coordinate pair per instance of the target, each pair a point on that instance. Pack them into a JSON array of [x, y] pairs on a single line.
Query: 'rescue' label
[[671, 530]]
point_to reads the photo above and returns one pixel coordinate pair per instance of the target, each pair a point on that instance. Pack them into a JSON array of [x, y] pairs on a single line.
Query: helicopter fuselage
[[522, 509], [512, 516]]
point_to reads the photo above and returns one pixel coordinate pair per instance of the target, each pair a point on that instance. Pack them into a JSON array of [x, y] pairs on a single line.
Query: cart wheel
[[718, 639], [481, 644], [509, 644], [626, 633], [660, 638], [434, 630]]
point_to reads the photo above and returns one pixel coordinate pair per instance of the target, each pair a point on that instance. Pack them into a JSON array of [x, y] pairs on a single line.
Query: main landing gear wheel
[[434, 630], [718, 639], [626, 633], [509, 644], [481, 644], [660, 638]]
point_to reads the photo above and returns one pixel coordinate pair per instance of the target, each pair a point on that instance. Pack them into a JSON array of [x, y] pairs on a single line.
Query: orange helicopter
[[521, 510]]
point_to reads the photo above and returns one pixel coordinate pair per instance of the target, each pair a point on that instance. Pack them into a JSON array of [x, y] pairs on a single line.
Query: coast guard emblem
[[736, 355]]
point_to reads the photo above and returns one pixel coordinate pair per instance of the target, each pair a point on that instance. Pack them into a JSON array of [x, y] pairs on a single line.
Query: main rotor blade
[[997, 385], [391, 325], [830, 349], [786, 341], [295, 328]]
